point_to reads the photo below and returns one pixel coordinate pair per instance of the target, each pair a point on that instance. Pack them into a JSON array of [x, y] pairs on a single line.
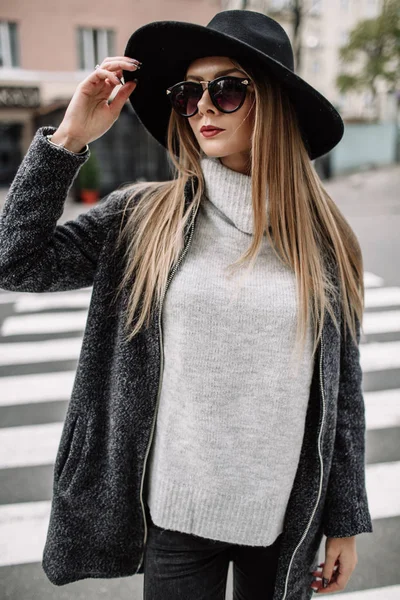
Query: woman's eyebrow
[[225, 72]]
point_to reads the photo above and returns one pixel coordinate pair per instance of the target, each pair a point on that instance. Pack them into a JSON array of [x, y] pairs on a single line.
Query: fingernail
[[325, 582]]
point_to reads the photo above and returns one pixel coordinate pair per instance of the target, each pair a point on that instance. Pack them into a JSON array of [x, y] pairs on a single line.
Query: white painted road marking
[[39, 387], [36, 302], [380, 297], [55, 322], [38, 352], [381, 322], [391, 592], [23, 526], [372, 280], [29, 445], [379, 356], [382, 409]]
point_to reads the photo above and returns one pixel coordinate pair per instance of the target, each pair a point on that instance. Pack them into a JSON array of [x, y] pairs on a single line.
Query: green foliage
[[346, 82], [374, 44], [89, 174]]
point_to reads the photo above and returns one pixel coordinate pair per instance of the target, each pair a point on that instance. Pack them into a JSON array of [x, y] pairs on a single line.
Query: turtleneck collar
[[230, 192]]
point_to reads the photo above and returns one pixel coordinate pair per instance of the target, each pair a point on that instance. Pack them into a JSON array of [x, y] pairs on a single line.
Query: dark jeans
[[182, 566]]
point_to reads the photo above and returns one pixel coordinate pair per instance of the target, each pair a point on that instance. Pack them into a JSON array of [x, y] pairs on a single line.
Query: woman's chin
[[215, 149]]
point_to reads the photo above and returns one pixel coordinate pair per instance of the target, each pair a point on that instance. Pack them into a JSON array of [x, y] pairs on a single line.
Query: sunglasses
[[227, 93]]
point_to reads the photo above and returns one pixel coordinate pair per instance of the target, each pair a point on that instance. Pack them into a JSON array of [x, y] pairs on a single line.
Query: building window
[[94, 45], [279, 4], [342, 100], [368, 98], [9, 47], [344, 37], [315, 8], [372, 9], [315, 66]]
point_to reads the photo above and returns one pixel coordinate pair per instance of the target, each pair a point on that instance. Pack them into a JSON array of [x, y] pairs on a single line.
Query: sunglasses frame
[[210, 84]]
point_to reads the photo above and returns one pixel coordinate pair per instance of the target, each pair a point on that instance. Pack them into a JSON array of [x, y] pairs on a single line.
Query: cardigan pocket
[[71, 445]]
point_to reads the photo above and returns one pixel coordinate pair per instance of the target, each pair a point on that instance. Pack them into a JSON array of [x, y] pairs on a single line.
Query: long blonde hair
[[306, 223]]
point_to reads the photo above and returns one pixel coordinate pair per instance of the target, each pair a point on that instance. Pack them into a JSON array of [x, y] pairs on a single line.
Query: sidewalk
[[366, 193]]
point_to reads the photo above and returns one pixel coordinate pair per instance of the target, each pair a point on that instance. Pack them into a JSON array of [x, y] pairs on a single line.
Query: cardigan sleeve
[[346, 511], [36, 254]]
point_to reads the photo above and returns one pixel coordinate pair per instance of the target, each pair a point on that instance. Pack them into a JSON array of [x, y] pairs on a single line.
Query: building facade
[[325, 27], [47, 49]]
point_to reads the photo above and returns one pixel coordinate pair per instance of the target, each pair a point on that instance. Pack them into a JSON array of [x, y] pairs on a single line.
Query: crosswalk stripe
[[38, 387], [381, 322], [383, 489], [29, 445], [10, 297], [374, 356], [37, 323], [385, 296], [37, 302], [378, 356], [391, 592], [23, 526], [382, 409], [372, 280], [36, 352], [60, 322], [35, 445]]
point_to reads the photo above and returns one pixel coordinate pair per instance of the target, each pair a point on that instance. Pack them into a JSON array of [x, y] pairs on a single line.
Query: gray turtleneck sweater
[[232, 405]]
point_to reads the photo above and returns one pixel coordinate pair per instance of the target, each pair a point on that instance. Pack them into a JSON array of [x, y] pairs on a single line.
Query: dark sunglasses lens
[[228, 94], [185, 98]]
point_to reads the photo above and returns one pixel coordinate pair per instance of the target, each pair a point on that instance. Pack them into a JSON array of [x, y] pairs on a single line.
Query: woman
[[196, 434]]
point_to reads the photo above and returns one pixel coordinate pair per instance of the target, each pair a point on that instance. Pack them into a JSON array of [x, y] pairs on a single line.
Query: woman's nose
[[205, 102]]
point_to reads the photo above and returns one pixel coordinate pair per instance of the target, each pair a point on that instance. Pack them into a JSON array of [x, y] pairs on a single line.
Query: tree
[[375, 45], [297, 9], [294, 10]]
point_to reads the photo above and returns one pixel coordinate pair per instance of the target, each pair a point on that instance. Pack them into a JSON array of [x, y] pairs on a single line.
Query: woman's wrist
[[63, 139]]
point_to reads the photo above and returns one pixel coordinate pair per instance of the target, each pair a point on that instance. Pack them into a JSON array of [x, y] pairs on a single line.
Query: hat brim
[[166, 48]]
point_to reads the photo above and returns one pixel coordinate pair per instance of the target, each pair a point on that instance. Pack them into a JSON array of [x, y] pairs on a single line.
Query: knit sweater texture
[[232, 406]]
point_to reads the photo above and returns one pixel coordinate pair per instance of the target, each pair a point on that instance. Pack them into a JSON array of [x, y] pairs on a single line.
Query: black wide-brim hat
[[166, 48]]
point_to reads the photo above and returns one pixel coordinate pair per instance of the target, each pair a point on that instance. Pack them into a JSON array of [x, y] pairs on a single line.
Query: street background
[[349, 50]]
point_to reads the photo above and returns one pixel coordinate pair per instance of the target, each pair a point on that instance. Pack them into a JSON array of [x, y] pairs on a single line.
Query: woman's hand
[[340, 562], [89, 115]]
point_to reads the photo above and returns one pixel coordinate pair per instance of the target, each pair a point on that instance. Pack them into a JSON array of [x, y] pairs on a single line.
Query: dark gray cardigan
[[97, 526]]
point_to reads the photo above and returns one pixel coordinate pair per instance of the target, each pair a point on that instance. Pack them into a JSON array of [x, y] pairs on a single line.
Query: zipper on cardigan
[[159, 386], [322, 472]]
